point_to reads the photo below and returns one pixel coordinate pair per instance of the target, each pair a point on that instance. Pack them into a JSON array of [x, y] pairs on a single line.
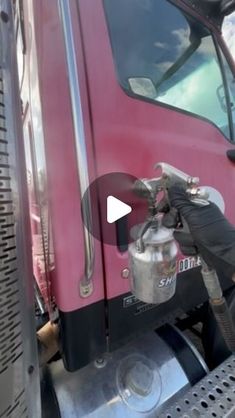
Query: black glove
[[211, 235]]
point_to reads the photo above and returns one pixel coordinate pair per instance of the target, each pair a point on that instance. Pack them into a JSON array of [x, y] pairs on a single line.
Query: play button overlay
[[116, 209]]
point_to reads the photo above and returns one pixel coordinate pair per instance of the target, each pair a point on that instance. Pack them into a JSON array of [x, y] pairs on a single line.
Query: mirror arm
[[227, 7], [180, 62]]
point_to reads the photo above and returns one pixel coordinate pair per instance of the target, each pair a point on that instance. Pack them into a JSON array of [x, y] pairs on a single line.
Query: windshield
[[164, 55], [230, 82]]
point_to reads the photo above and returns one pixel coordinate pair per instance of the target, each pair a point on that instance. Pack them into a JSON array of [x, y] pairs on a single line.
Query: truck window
[[165, 56], [230, 80]]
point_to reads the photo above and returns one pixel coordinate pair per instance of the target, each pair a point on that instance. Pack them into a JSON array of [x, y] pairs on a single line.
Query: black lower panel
[[127, 316], [83, 332], [82, 335]]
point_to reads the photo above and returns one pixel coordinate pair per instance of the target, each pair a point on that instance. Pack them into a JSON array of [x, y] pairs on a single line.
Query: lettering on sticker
[[167, 281], [188, 263]]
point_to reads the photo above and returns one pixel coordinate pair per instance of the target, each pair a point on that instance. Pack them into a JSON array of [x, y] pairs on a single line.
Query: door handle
[[231, 155]]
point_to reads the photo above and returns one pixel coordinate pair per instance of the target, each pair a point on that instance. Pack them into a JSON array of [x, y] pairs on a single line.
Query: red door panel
[[131, 135]]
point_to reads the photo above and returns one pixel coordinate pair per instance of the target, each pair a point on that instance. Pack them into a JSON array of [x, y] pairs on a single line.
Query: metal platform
[[213, 396]]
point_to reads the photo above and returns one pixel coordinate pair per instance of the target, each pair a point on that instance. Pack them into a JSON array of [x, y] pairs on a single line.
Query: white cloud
[[229, 32], [182, 39], [164, 66], [160, 45], [183, 42]]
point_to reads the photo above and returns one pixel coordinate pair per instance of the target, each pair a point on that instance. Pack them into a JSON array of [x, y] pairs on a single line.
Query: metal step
[[213, 396]]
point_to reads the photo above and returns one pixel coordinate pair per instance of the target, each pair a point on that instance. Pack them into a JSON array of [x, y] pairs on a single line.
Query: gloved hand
[[211, 235]]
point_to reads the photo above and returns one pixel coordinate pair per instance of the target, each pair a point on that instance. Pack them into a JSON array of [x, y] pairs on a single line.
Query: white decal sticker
[[188, 263]]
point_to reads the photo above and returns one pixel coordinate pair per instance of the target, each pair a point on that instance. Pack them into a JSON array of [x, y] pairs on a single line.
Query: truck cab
[[115, 87]]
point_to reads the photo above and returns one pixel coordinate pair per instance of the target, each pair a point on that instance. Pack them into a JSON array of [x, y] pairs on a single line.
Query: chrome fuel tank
[[137, 380]]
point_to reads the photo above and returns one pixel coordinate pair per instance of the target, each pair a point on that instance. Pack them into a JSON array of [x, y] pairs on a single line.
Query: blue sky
[[229, 32]]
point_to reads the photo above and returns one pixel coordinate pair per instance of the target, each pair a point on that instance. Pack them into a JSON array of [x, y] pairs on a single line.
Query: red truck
[[114, 87]]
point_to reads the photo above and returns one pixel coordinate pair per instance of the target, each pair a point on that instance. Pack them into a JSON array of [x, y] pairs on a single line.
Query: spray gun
[[153, 255]]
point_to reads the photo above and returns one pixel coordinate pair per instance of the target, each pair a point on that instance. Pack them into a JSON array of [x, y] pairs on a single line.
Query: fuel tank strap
[[187, 357]]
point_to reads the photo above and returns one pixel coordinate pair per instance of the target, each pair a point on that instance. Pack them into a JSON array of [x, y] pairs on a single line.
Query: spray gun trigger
[[171, 219]]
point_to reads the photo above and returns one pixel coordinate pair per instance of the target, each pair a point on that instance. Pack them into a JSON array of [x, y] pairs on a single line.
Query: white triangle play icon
[[116, 209]]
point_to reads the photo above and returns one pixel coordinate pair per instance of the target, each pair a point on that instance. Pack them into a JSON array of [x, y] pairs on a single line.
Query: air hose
[[219, 306]]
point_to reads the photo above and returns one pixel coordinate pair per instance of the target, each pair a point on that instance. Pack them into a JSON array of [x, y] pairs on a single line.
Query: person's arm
[[212, 235]]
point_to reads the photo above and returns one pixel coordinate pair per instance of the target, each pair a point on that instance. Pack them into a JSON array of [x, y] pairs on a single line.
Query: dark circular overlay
[[122, 187]]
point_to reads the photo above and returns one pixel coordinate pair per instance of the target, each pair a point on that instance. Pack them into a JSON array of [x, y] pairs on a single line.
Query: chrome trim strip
[[86, 285]]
